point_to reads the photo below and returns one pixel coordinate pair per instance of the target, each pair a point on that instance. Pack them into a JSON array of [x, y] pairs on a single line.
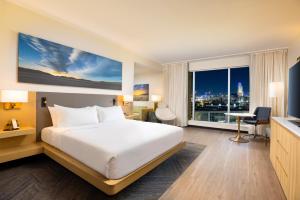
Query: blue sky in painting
[[144, 87], [60, 60]]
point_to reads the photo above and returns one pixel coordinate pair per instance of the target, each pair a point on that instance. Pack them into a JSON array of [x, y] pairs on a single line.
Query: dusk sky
[[216, 81], [60, 60], [141, 88], [240, 75]]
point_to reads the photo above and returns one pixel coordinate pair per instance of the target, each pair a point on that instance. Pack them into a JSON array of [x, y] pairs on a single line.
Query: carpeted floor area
[[39, 178]]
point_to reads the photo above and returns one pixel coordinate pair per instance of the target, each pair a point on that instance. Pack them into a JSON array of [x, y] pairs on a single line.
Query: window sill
[[220, 125]]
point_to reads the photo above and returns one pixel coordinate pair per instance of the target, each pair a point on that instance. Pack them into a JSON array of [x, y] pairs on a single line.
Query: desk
[[238, 137], [133, 116]]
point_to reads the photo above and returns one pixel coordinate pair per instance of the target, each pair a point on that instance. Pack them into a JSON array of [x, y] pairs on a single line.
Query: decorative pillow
[[110, 113], [68, 117], [52, 111]]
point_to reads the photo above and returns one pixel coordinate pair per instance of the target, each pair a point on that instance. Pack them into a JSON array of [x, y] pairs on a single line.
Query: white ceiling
[[172, 30]]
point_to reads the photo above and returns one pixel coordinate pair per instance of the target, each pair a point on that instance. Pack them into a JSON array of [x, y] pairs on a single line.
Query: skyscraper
[[240, 91]]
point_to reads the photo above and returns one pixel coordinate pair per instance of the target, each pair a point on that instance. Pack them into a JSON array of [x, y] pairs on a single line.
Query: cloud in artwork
[[66, 61], [74, 55], [96, 68], [52, 55]]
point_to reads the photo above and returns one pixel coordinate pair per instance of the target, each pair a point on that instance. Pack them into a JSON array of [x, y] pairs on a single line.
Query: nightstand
[[132, 116], [18, 144]]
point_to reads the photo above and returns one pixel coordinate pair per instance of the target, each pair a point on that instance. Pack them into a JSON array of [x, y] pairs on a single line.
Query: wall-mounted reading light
[[13, 99], [43, 102]]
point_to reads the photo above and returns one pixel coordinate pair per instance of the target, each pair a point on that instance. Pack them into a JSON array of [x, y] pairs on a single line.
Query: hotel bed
[[100, 145], [114, 149]]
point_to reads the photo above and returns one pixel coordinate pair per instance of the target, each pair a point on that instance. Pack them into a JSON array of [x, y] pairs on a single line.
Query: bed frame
[[108, 186]]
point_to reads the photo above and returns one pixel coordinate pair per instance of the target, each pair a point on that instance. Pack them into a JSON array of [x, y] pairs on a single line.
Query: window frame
[[228, 89]]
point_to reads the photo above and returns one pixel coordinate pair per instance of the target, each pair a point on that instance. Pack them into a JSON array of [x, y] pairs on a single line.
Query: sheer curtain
[[265, 68], [176, 90]]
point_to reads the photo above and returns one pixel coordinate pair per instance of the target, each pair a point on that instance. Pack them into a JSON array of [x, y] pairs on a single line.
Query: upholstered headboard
[[43, 118]]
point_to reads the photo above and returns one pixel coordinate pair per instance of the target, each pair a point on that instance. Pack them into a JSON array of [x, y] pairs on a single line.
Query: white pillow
[[52, 111], [68, 117], [110, 113]]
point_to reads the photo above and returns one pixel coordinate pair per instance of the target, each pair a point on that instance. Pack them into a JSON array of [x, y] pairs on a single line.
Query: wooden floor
[[226, 170], [223, 171]]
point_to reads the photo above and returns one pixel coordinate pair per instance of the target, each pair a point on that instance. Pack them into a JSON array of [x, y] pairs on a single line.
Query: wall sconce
[[43, 102], [13, 99], [155, 98]]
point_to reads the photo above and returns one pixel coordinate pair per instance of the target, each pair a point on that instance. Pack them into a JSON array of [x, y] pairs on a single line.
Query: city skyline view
[[215, 82], [211, 93]]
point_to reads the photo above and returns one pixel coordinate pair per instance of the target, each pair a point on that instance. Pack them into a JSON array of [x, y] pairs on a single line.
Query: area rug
[[41, 178]]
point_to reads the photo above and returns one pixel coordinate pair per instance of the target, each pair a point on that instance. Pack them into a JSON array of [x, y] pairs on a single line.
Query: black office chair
[[262, 117]]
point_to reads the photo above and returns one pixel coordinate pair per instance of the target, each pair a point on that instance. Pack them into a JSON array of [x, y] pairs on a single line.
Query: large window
[[211, 95], [216, 92]]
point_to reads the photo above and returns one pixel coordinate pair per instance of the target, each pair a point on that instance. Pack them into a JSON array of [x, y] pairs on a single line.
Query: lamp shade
[[155, 98], [128, 98], [276, 89], [13, 96]]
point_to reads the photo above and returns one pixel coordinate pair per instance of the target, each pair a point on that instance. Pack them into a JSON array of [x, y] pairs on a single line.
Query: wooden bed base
[[108, 186]]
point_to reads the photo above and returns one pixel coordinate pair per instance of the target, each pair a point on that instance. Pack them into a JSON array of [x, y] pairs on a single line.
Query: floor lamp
[[276, 91]]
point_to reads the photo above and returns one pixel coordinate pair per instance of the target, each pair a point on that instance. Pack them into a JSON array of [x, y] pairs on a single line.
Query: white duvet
[[114, 148]]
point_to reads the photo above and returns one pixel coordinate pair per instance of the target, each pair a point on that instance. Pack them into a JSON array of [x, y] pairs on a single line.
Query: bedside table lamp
[[276, 89], [128, 98], [127, 102], [155, 98], [12, 99]]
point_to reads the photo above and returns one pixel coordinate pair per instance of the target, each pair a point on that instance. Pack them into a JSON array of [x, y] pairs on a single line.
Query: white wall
[[155, 81], [14, 19], [294, 51]]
